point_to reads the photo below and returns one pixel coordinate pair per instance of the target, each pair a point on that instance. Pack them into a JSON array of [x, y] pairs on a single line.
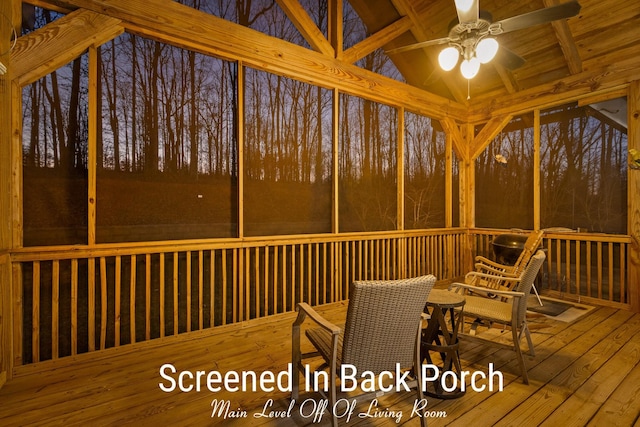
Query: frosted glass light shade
[[470, 67], [448, 58], [486, 50], [464, 5]]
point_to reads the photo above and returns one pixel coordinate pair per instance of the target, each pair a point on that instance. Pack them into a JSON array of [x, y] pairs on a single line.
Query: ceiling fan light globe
[[448, 58], [470, 67], [487, 49], [464, 5]]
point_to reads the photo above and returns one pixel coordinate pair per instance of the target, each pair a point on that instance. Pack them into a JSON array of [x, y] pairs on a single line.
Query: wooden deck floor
[[584, 373]]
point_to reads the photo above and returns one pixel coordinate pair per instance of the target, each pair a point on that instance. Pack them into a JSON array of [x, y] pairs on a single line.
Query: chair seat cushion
[[487, 308]]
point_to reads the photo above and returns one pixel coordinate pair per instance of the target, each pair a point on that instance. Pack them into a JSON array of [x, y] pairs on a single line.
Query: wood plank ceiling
[[605, 31]]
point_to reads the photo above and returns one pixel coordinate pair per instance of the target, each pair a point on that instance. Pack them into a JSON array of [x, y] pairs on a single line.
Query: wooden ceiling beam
[[507, 77], [492, 128], [567, 43], [601, 97], [377, 40], [51, 47], [598, 78], [180, 25], [459, 143], [309, 30], [49, 5]]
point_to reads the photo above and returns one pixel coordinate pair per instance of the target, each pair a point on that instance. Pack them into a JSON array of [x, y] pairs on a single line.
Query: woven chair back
[[526, 283], [382, 322], [530, 246]]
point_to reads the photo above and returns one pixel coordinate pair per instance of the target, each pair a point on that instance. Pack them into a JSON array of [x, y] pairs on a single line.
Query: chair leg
[[537, 295], [296, 360], [516, 345], [417, 364], [525, 328], [333, 369]]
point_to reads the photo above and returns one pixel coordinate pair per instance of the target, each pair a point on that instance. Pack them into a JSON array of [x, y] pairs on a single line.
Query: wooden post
[[537, 183], [9, 14], [240, 149], [400, 171], [335, 26], [335, 171], [467, 193], [92, 142], [633, 200], [448, 183]]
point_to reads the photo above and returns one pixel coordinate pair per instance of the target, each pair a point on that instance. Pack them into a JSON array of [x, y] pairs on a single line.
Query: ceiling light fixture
[[464, 5], [474, 51]]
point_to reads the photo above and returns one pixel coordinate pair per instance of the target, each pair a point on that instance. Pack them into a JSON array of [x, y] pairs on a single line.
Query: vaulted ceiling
[[604, 32]]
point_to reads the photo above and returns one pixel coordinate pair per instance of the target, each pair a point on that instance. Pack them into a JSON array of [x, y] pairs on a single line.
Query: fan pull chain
[[468, 89]]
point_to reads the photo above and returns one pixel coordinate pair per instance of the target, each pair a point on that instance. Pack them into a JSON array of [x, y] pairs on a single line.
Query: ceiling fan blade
[[468, 10], [509, 59], [541, 16], [419, 45]]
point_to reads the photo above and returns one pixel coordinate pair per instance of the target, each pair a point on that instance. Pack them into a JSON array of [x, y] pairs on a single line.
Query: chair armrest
[[487, 262], [480, 267], [480, 289], [484, 260], [499, 277], [305, 310]]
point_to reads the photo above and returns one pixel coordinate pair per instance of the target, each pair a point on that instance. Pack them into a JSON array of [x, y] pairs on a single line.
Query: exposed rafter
[[567, 43], [507, 77], [59, 43], [172, 22], [377, 40], [309, 30], [605, 78], [488, 132]]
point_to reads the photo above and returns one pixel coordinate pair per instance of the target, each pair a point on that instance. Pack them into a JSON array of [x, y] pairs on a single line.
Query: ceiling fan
[[472, 36]]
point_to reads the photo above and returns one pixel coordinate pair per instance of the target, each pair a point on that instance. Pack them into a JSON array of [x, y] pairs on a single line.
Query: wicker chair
[[510, 310], [382, 332], [493, 275]]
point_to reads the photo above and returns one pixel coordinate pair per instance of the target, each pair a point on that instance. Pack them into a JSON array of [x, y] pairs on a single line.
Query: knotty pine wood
[[173, 23], [633, 190], [584, 373], [57, 44], [8, 16]]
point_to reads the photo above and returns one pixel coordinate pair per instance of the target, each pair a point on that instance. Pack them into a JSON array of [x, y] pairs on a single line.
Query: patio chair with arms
[[493, 275], [510, 310], [381, 333]]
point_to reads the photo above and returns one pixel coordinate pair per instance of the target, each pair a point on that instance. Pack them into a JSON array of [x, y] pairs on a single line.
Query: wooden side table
[[441, 337]]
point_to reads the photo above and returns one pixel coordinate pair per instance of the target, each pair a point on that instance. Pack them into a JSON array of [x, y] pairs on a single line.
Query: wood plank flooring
[[584, 373]]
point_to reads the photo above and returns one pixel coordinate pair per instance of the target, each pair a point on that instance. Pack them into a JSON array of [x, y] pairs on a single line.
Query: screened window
[[287, 156], [424, 170], [167, 151], [504, 177], [584, 166], [367, 165], [54, 144]]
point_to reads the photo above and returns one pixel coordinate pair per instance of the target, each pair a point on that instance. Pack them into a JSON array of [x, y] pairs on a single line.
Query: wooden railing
[[71, 300], [586, 267]]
